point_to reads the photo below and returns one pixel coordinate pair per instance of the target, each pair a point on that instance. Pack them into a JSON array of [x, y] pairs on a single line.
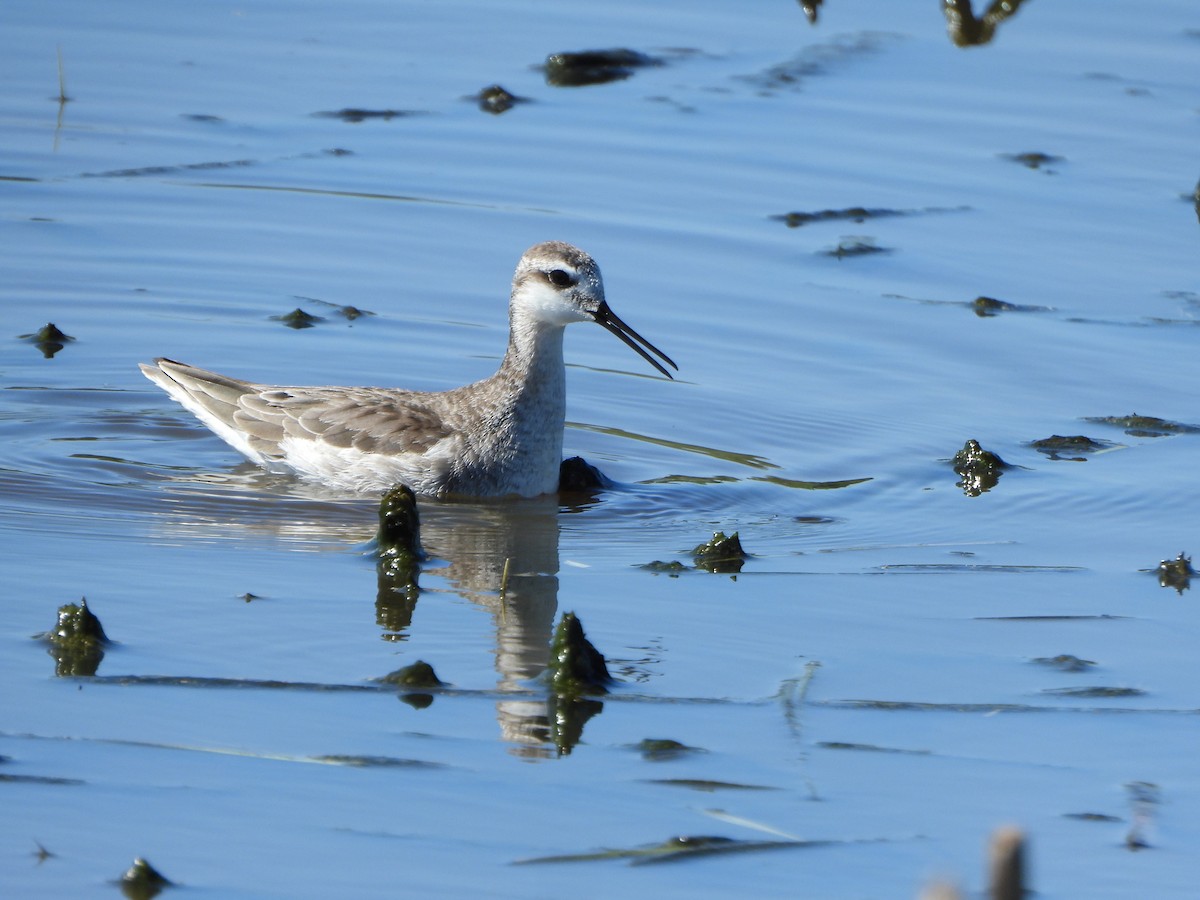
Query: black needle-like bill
[[606, 317]]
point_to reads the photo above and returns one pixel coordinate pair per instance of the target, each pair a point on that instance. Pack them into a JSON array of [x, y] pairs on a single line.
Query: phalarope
[[497, 437]]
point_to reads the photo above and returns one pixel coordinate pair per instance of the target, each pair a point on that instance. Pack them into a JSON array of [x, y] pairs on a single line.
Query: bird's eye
[[559, 278]]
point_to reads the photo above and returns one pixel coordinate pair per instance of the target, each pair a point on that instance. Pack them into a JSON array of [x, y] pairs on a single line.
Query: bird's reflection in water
[[504, 557], [500, 554]]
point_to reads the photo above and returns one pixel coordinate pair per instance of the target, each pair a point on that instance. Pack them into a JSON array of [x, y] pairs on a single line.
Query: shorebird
[[497, 437]]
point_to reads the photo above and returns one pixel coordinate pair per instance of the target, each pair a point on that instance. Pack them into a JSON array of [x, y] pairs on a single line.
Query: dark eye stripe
[[559, 278]]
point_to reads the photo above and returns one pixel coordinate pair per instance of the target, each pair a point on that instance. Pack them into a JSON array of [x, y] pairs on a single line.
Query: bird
[[498, 437]]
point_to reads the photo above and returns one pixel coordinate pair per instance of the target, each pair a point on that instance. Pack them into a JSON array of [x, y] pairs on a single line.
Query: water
[[187, 194]]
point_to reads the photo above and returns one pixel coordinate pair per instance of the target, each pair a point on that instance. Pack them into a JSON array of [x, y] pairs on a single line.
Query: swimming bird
[[497, 437]]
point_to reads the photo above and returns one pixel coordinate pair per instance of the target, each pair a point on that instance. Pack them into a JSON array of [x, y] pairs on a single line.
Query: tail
[[215, 400]]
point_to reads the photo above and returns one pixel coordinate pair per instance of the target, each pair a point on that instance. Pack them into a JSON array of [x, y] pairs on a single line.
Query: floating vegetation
[[142, 881], [811, 8], [349, 313], [7, 778], [49, 339], [1144, 426], [663, 749], [353, 114], [398, 563], [576, 666], [975, 708], [708, 785], [78, 640], [1065, 662], [372, 762], [1034, 160], [857, 214], [674, 568], [810, 485], [585, 67], [908, 568], [495, 100], [986, 307], [1090, 693], [298, 319], [170, 170], [1176, 573], [399, 534], [419, 674], [852, 214], [722, 554], [855, 246], [1091, 817], [979, 470], [968, 30], [1069, 448], [676, 849], [870, 748]]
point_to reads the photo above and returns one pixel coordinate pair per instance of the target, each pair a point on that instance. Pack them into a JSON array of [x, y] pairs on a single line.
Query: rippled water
[[869, 680]]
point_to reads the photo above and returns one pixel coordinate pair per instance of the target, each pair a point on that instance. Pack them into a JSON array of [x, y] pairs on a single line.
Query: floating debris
[[298, 319], [723, 555], [398, 560], [852, 214], [202, 117], [979, 470], [676, 849], [49, 339], [966, 30], [142, 881], [870, 748], [419, 674], [1091, 693], [1065, 662], [42, 853], [249, 597], [1091, 817], [811, 8], [1176, 573], [399, 535], [663, 749], [1057, 445], [78, 640], [1033, 160], [578, 69], [708, 785], [985, 307], [855, 246], [576, 666], [373, 762], [353, 115], [674, 568], [347, 312], [495, 100], [1144, 426]]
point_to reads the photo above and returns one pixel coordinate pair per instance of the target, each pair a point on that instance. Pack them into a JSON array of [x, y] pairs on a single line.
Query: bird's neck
[[533, 366]]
